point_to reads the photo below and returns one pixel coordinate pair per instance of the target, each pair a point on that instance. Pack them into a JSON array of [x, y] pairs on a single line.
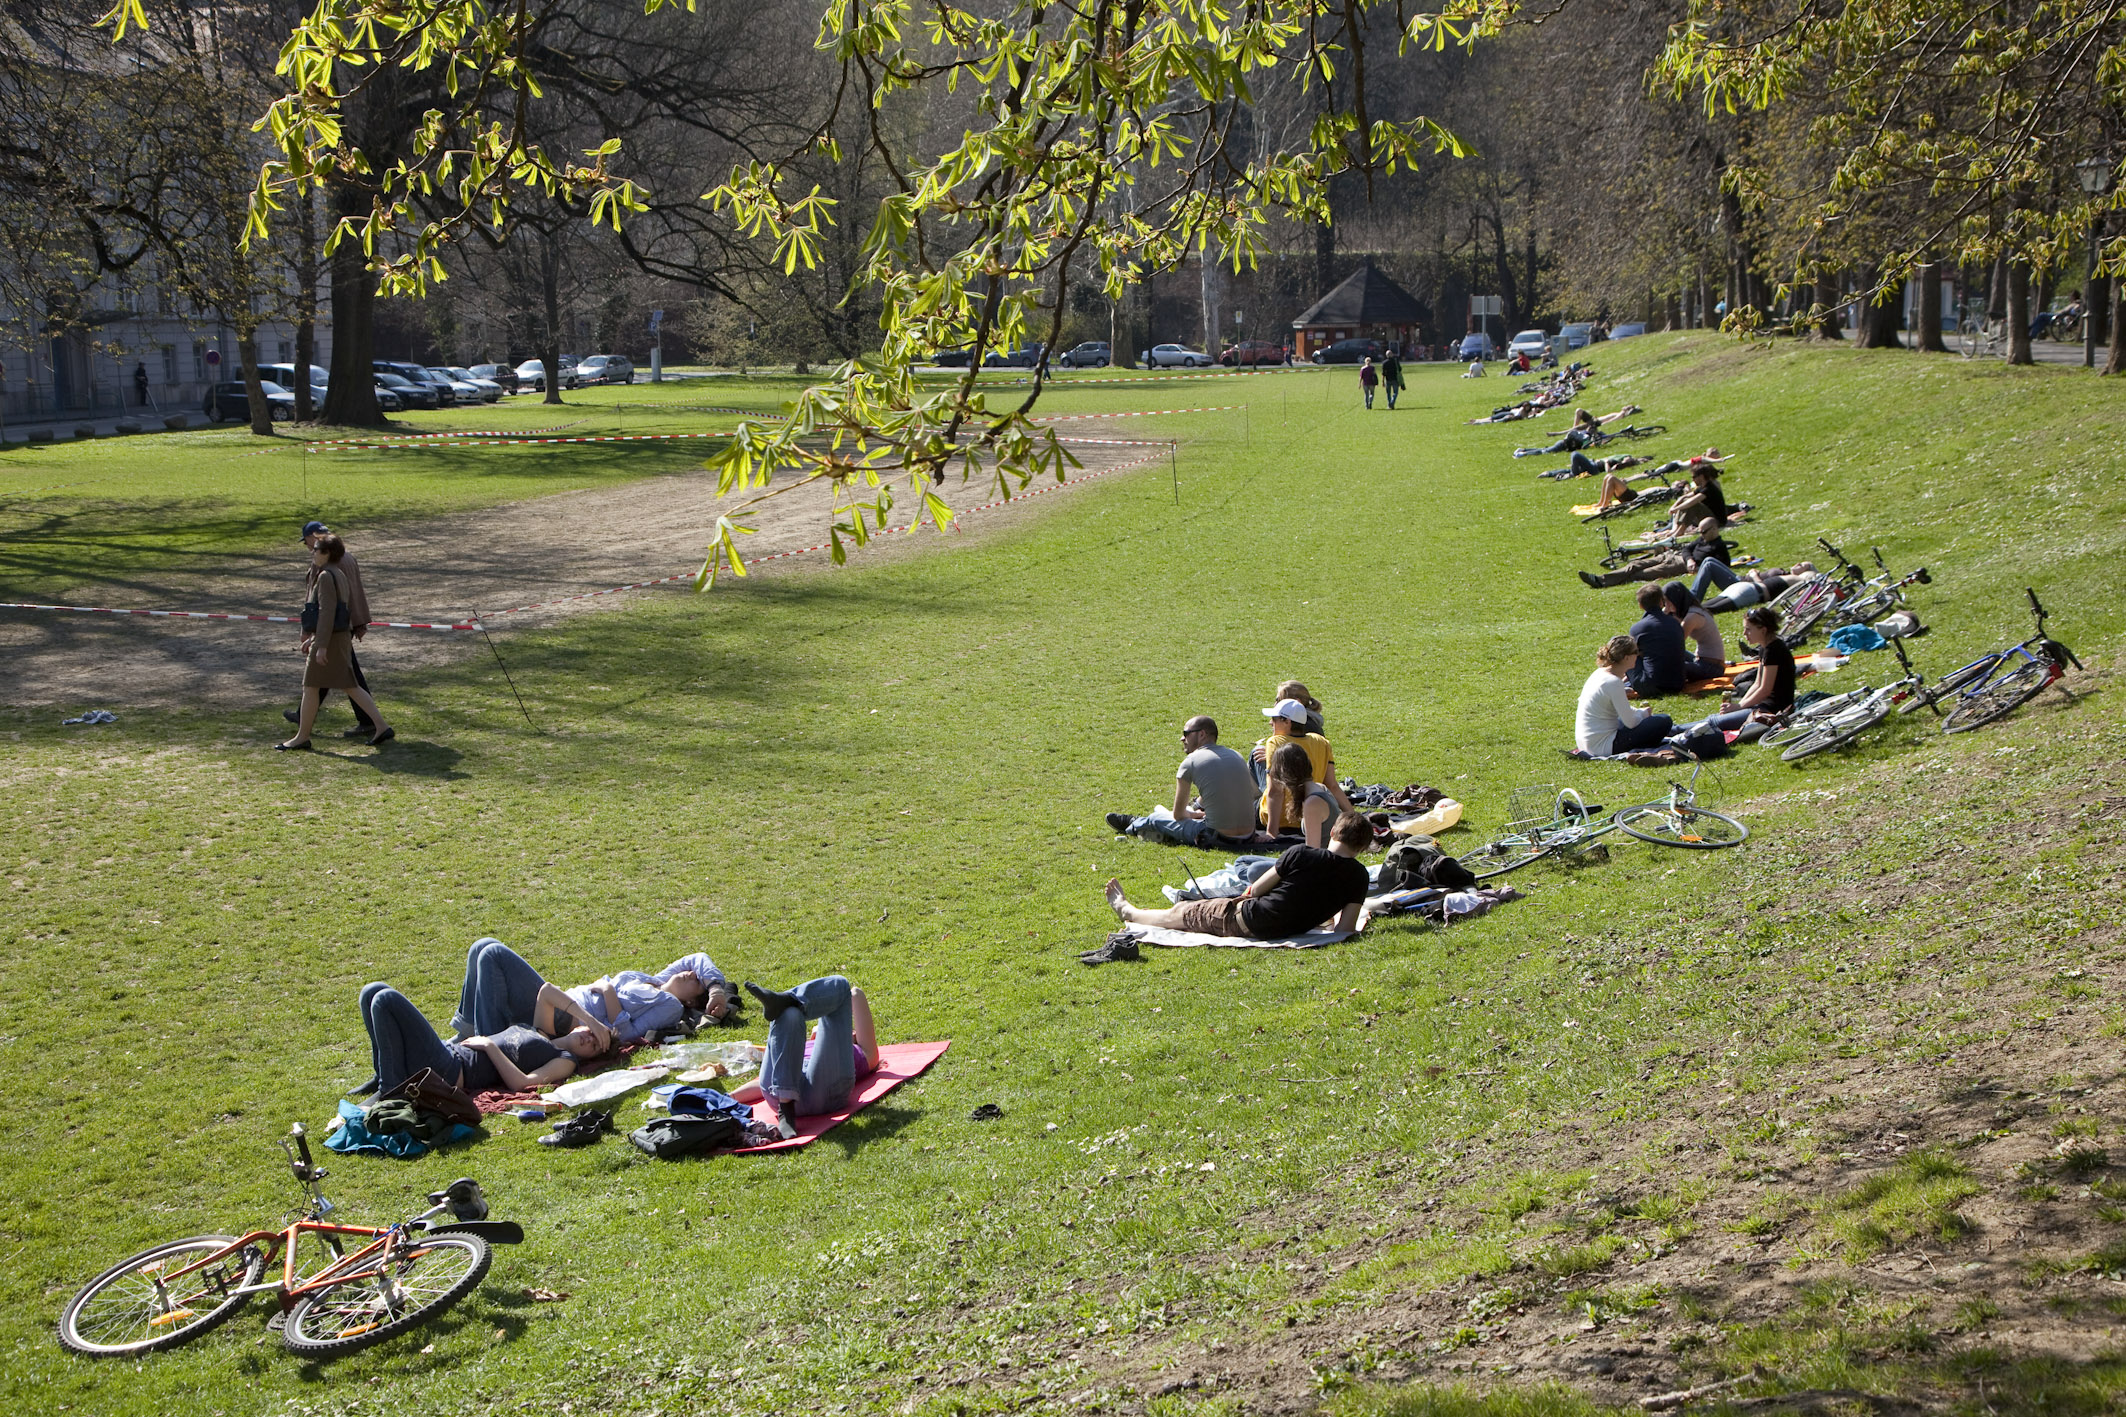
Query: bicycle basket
[[1530, 806]]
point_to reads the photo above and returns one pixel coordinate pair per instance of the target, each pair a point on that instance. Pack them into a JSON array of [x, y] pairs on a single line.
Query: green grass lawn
[[897, 771]]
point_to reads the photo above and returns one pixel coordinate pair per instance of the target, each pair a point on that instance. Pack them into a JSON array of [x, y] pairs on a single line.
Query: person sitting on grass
[[811, 1079], [1771, 695], [1225, 791], [1708, 651], [516, 1059], [1705, 499], [1292, 780], [1608, 722], [1658, 637], [502, 990], [1306, 887], [1288, 719]]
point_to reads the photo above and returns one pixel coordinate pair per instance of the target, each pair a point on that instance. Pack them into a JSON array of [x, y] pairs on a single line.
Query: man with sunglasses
[[1223, 788]]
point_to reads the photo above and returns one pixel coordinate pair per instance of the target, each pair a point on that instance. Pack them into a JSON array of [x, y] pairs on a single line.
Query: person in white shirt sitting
[[1609, 722]]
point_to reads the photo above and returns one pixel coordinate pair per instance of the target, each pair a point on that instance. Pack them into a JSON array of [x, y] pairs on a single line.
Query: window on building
[[169, 364], [287, 352], [199, 361]]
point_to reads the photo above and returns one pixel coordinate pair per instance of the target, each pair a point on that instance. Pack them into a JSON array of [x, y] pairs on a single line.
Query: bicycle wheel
[[1842, 729], [122, 1313], [1999, 698], [1699, 828], [1506, 854], [1952, 684], [1803, 617], [428, 1277]]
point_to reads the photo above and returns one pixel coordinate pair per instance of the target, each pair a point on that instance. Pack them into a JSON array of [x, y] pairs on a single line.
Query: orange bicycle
[[400, 1276]]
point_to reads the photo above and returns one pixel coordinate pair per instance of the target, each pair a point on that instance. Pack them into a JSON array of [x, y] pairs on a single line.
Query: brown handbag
[[428, 1091]]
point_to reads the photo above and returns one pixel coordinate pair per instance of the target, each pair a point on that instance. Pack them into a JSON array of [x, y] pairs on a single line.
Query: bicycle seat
[[464, 1197]]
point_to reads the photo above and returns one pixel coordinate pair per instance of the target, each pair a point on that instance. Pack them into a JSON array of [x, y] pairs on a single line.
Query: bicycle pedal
[[277, 1321]]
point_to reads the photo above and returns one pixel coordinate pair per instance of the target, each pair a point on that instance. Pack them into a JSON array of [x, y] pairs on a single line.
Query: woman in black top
[[1773, 692], [1302, 891], [402, 1042]]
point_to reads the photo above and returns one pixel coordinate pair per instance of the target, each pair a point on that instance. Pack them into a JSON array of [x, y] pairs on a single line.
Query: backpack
[[1418, 861], [670, 1138]]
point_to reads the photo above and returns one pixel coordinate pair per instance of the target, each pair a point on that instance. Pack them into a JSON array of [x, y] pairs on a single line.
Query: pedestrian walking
[[358, 626], [1368, 378], [1391, 375], [328, 646], [140, 384]]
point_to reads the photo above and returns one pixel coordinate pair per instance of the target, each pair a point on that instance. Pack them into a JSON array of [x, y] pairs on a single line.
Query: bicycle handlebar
[[2035, 606]]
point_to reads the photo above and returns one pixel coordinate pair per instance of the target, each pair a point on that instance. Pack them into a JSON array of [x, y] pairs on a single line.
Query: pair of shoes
[[302, 747], [1120, 821], [383, 737], [1121, 945], [1592, 582], [360, 730], [580, 1130], [987, 1112]]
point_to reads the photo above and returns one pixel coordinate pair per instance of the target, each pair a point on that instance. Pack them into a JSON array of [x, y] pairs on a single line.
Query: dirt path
[[443, 569]]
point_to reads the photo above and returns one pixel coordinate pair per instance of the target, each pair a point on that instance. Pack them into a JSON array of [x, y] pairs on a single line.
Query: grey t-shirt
[[1226, 787]]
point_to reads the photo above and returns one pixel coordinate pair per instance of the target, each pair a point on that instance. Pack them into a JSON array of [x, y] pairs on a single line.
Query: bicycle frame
[[2055, 657], [288, 1288]]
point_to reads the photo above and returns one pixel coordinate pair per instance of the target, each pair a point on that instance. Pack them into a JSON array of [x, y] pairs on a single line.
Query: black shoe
[[1121, 945], [1120, 821], [1592, 581], [987, 1112], [384, 737], [360, 730], [291, 715], [580, 1130], [771, 1002]]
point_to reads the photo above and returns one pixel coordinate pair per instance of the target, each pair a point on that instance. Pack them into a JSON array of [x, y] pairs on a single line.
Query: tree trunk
[[305, 303], [2115, 361], [1832, 326], [1997, 290], [1528, 300], [254, 388], [2099, 309], [1930, 338], [550, 346], [1324, 259], [2019, 314], [350, 393], [1878, 323]]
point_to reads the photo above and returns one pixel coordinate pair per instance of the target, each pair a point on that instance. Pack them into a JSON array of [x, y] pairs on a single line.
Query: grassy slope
[[897, 772]]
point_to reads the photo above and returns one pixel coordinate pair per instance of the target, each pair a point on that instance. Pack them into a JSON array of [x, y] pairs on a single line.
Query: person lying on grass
[[1307, 886], [1585, 466], [502, 990], [1765, 584], [1571, 440], [1771, 695], [809, 1079], [516, 1059], [1709, 546]]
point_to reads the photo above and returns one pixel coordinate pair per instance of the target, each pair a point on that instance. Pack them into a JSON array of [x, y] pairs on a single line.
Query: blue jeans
[[500, 990], [1649, 732], [1393, 390], [1728, 722], [401, 1041], [822, 1082], [1369, 396], [1711, 573]]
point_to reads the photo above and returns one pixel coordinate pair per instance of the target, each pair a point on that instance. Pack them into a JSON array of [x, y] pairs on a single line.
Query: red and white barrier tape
[[570, 599], [1141, 413]]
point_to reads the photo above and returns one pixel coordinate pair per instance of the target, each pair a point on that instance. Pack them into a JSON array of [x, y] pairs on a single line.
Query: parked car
[[1627, 331], [1577, 336], [411, 395], [1252, 351], [463, 389], [533, 373], [233, 400], [1170, 356], [1474, 346], [1533, 343], [388, 400], [1093, 354], [1023, 358], [501, 374], [1350, 351], [489, 389], [284, 375], [445, 391], [605, 369], [952, 358]]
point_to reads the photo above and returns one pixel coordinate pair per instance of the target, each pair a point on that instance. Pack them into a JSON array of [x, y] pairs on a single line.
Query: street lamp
[[2095, 176]]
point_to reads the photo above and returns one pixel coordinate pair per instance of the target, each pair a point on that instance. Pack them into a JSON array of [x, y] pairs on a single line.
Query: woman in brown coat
[[328, 647]]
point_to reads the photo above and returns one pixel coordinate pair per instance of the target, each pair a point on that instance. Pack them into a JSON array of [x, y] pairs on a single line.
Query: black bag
[[428, 1091], [669, 1138], [1419, 862], [1712, 743], [342, 616]]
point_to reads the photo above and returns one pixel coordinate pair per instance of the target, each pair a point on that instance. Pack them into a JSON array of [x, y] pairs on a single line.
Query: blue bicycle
[[1995, 685]]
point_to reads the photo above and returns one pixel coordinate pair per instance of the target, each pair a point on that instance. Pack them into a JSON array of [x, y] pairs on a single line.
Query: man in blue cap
[[358, 614]]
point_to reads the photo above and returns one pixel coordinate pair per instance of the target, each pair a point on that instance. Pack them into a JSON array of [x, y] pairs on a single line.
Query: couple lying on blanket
[[516, 1032], [1306, 887]]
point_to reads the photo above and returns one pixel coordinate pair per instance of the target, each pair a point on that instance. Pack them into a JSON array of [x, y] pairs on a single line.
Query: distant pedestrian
[[140, 384], [358, 618], [328, 645], [1391, 376], [1368, 379]]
